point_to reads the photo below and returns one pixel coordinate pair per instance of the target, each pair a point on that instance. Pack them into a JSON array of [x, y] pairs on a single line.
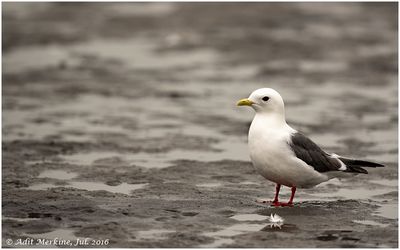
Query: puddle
[[225, 235], [20, 219], [370, 223], [58, 174], [249, 183], [389, 211], [391, 183], [123, 188], [81, 114], [153, 234], [141, 9], [90, 157], [61, 234], [250, 217], [42, 186], [228, 150], [236, 230], [162, 160], [146, 160], [209, 185], [355, 193], [217, 243]]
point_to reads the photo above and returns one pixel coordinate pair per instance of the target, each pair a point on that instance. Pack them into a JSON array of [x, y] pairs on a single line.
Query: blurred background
[[119, 121]]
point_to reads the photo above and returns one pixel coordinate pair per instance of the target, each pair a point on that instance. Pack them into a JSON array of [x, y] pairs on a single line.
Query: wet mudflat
[[119, 122]]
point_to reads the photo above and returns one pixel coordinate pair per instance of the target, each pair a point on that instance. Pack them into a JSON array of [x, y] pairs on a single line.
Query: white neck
[[271, 120]]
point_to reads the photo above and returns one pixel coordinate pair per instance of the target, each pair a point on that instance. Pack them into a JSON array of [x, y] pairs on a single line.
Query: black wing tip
[[369, 164], [361, 163], [378, 165]]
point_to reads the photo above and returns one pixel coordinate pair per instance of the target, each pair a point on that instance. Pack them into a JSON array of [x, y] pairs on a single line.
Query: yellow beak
[[244, 102]]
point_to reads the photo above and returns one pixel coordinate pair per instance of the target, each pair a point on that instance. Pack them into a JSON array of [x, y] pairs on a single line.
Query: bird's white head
[[266, 101]]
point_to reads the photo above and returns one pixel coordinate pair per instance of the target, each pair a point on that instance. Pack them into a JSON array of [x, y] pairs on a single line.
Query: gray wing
[[309, 152]]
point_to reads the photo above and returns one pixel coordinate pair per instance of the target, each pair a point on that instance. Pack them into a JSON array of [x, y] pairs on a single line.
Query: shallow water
[[385, 182], [227, 235], [153, 234], [388, 210], [62, 234], [209, 185], [354, 193], [371, 223], [58, 174], [123, 188], [236, 230], [20, 219], [232, 150], [42, 186], [345, 189], [249, 217], [249, 183], [218, 243]]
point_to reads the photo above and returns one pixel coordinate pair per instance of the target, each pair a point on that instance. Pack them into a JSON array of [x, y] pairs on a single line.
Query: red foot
[[281, 204], [276, 203]]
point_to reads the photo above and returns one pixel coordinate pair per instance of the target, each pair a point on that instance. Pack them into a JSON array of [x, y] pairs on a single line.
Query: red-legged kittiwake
[[285, 156]]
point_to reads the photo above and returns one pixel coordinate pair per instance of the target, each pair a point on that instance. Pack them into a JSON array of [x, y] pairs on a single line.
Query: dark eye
[[265, 98]]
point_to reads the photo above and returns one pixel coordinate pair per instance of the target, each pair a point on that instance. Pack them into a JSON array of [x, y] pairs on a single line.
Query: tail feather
[[356, 165]]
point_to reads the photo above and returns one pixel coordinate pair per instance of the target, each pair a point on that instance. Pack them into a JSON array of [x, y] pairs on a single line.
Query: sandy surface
[[120, 125]]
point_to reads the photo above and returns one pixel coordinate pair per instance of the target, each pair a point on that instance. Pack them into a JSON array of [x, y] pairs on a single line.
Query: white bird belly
[[272, 158]]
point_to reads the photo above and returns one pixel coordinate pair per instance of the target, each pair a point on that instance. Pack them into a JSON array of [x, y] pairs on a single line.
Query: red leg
[[288, 204], [275, 202], [292, 196]]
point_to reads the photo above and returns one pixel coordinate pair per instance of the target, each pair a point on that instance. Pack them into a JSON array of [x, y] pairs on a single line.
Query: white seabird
[[283, 155]]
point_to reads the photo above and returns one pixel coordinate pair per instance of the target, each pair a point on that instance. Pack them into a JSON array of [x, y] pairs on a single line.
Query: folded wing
[[309, 152]]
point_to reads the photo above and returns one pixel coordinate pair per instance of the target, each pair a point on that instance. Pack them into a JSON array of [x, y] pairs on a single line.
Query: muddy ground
[[120, 125]]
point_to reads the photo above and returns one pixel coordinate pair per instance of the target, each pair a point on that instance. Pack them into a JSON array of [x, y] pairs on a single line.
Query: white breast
[[274, 160]]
